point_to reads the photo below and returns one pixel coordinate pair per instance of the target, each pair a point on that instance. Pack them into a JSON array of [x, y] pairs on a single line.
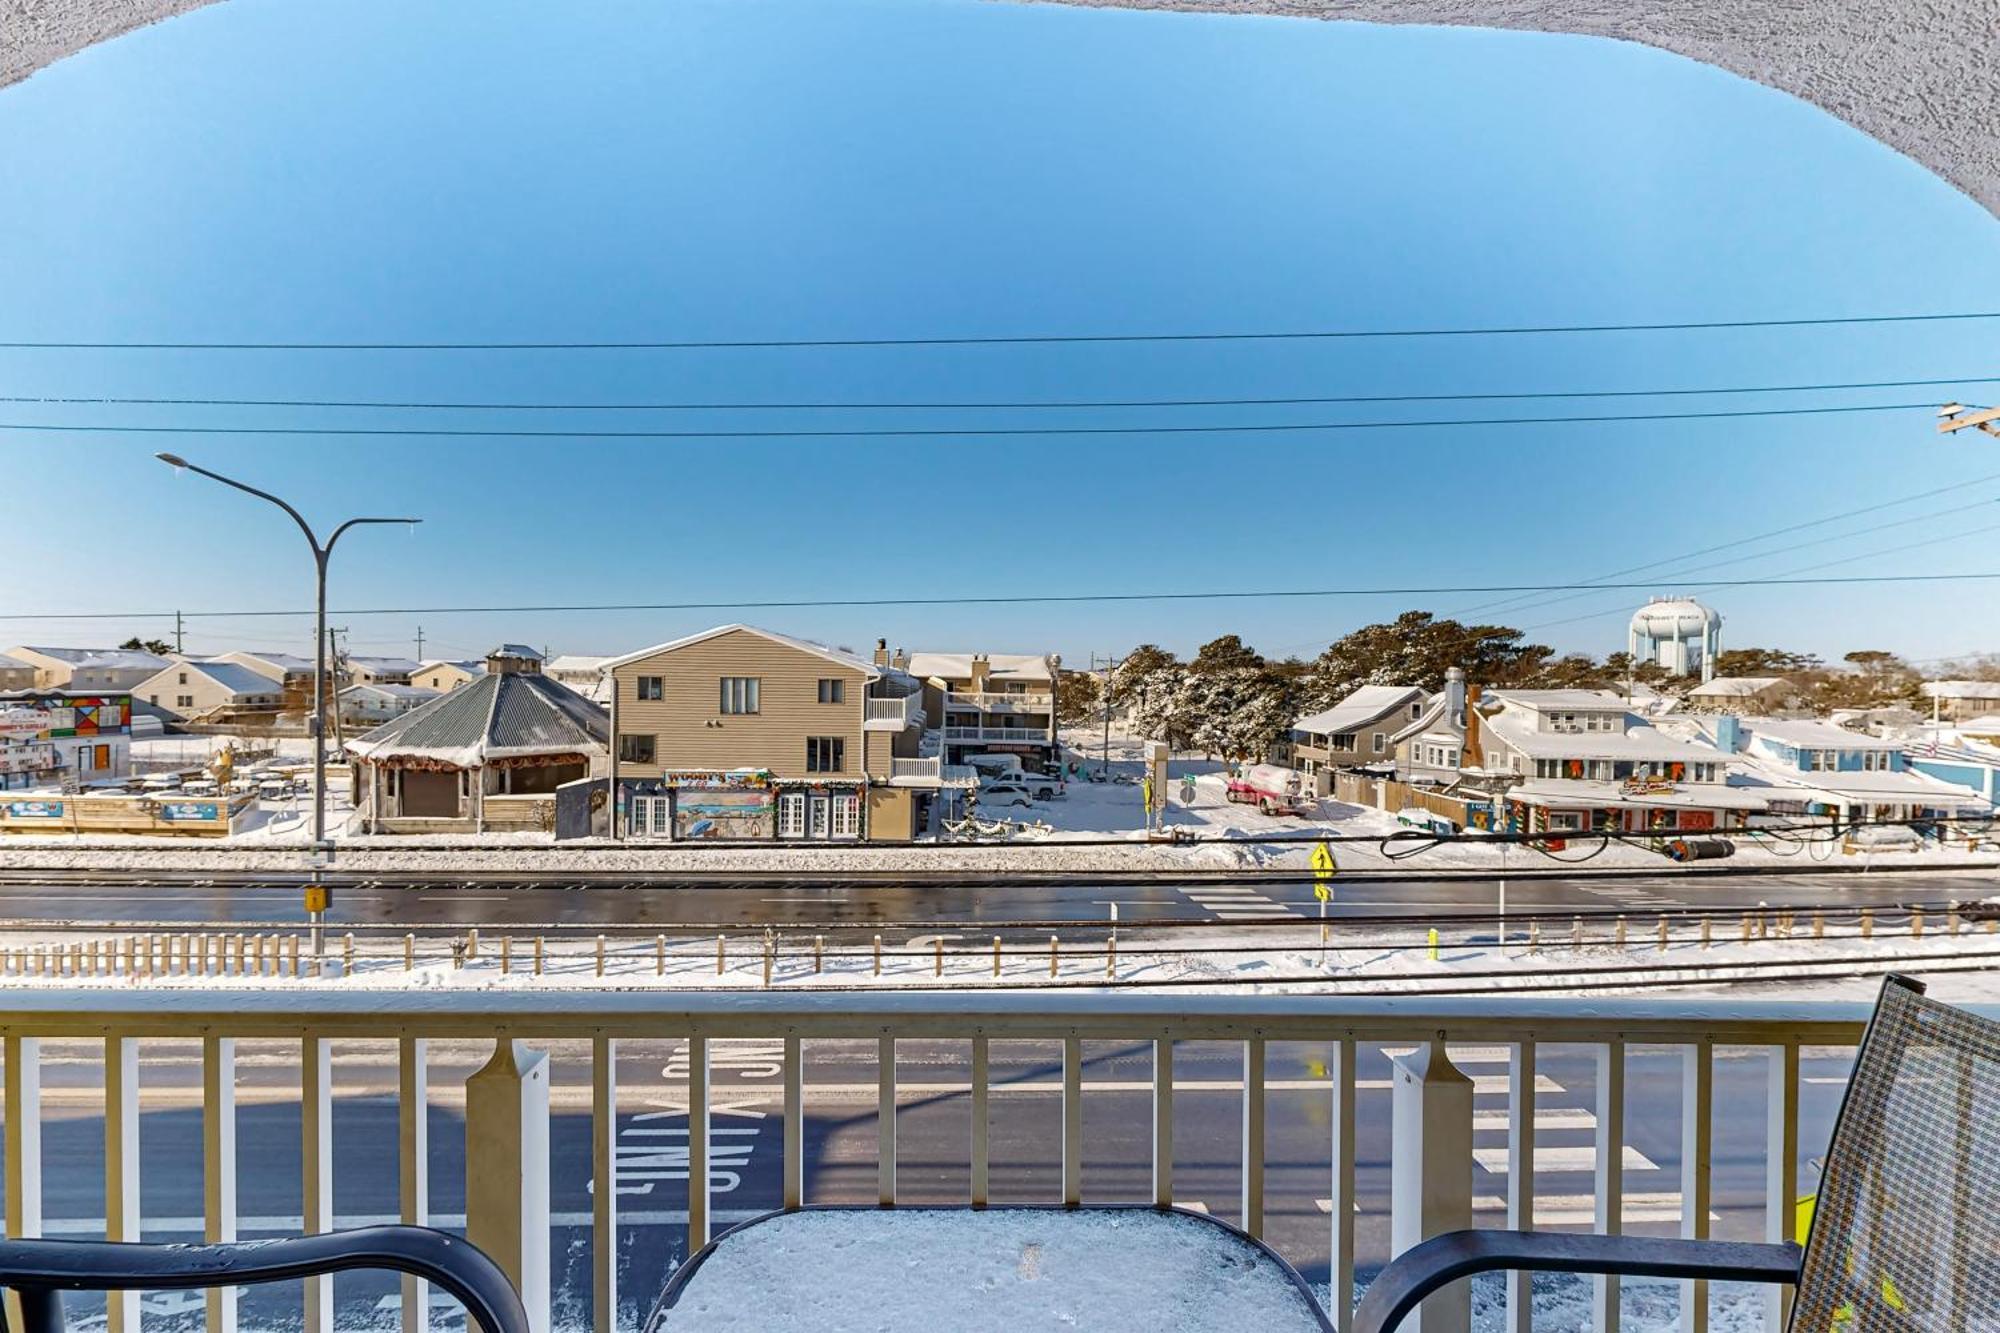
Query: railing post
[[1781, 1167], [1072, 1121], [316, 1157], [1610, 1172], [1163, 1122], [1253, 1137], [981, 1124], [697, 1130], [1340, 1202], [218, 1165], [1697, 1151], [795, 1124], [507, 1170], [1431, 1171], [121, 1167], [604, 1184], [24, 1149], [413, 1177], [1520, 1176], [885, 1121]]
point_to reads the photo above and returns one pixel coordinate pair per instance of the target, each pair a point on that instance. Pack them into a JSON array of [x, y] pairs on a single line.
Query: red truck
[[1273, 790]]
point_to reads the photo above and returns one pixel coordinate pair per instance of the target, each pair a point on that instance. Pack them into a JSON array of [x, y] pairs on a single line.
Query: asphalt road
[[933, 1143], [782, 902]]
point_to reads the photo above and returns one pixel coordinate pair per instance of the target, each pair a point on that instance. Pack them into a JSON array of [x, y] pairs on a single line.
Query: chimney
[[881, 652], [1454, 695], [1472, 754], [1729, 733], [982, 671], [900, 659]]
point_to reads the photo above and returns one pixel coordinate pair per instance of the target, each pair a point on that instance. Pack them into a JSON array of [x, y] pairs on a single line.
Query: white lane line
[[93, 1227], [1580, 1157], [1555, 1210], [1555, 1117]]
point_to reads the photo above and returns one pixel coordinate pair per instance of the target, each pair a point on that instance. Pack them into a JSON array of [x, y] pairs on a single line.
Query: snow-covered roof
[[1432, 724], [387, 666], [1369, 703], [516, 650], [1557, 701], [285, 664], [1883, 786], [1638, 741], [470, 666], [833, 655], [1812, 734], [999, 666], [498, 716], [1962, 689], [13, 662], [1734, 687], [1561, 792], [102, 659], [574, 662], [232, 676], [389, 690]]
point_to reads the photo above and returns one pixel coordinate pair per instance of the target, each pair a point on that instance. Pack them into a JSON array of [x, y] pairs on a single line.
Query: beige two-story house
[[740, 733]]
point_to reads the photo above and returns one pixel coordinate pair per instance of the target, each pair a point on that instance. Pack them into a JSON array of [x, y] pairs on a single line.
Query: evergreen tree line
[[1231, 702]]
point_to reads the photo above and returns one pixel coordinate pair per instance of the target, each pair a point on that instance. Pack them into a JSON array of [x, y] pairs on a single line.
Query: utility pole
[[334, 654], [1957, 416], [420, 643], [177, 633], [1104, 752]]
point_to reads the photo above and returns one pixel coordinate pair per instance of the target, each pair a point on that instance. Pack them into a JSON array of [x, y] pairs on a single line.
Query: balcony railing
[[991, 701], [894, 713], [507, 1103], [1019, 735], [922, 770]]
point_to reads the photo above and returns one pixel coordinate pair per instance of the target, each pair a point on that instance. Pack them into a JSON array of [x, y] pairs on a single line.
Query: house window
[[1564, 821], [1343, 742], [846, 816], [635, 749], [649, 688], [152, 698], [739, 694], [826, 754], [183, 678], [833, 691], [184, 701], [1379, 738]]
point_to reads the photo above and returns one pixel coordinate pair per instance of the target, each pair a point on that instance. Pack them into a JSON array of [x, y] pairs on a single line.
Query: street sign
[[1187, 791], [1322, 892], [317, 897], [1322, 861]]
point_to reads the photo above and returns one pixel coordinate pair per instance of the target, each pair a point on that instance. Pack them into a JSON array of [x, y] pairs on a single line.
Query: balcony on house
[[1507, 1111]]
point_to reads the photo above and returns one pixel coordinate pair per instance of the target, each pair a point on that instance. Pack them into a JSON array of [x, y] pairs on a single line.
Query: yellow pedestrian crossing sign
[[1324, 869]]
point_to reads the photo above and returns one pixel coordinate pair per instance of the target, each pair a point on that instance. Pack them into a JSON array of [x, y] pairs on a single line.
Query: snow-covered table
[[947, 1270]]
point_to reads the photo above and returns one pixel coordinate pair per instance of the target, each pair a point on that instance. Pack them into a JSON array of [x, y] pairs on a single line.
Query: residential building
[[1430, 749], [583, 673], [48, 737], [439, 676], [88, 670], [183, 691], [1968, 764], [1816, 768], [744, 733], [489, 754], [380, 670], [1742, 694], [1951, 700], [1580, 760], [988, 703], [16, 674], [285, 668], [1360, 729], [370, 704]]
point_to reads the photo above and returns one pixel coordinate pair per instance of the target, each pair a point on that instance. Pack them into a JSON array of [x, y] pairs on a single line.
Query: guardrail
[[507, 1102], [897, 712], [991, 701], [1018, 735]]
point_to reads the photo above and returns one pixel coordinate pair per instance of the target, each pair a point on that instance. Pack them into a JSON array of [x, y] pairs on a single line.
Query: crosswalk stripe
[[1554, 1210], [1577, 1157]]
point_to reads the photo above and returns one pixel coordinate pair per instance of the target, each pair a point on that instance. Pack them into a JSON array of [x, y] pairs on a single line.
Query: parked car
[[996, 795]]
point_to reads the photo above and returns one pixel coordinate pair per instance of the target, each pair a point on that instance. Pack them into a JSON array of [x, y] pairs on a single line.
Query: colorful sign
[[204, 812], [34, 809], [702, 814], [86, 715]]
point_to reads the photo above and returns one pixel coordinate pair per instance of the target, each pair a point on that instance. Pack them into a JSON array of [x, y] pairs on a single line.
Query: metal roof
[[494, 716]]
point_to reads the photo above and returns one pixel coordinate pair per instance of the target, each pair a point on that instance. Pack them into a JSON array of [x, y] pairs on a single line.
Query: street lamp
[[320, 554]]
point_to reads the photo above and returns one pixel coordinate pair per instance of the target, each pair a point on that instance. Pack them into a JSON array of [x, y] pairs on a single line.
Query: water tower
[[1679, 634]]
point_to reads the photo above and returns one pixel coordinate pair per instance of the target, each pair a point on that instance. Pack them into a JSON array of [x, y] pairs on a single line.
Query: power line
[[937, 432], [1041, 404], [1507, 602], [1008, 600], [691, 344]]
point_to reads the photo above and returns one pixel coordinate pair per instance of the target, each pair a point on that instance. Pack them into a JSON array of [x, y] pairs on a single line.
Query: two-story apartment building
[[1579, 760], [387, 670], [745, 733], [1816, 768], [88, 670], [988, 703], [1361, 729], [440, 676]]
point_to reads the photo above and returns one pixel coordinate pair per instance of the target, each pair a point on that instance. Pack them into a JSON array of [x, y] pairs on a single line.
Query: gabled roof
[[1735, 687], [1962, 689], [833, 655], [388, 666], [1369, 703], [102, 659], [469, 666], [515, 650], [574, 662], [1813, 734], [15, 662], [391, 690], [1560, 700], [285, 664], [497, 716], [231, 676]]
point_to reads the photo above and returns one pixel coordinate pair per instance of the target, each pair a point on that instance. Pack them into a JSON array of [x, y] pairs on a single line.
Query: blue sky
[[748, 169]]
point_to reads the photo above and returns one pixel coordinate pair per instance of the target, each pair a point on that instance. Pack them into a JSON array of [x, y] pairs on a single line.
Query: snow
[[1001, 1269]]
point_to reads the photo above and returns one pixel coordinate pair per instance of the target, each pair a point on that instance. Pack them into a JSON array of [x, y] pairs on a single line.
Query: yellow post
[[1916, 922], [1663, 933], [409, 952], [1054, 950], [819, 954], [1867, 923], [996, 955], [718, 955], [659, 955], [937, 966], [538, 955], [878, 955], [506, 954], [1434, 943], [600, 956]]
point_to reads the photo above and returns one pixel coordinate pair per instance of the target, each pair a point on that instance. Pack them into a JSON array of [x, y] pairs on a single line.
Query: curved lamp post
[[321, 551]]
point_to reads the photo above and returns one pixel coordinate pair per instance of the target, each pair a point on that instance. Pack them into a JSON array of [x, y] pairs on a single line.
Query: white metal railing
[[920, 769], [996, 701], [898, 711], [1023, 735], [507, 1102]]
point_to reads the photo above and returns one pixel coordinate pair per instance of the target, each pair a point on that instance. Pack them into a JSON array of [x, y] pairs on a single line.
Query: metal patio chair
[[35, 1273], [1905, 1232]]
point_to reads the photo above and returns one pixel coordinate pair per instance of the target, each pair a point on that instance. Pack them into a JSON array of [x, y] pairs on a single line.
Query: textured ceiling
[[1919, 75]]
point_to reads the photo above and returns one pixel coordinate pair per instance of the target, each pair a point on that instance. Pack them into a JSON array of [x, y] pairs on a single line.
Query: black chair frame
[[37, 1272]]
